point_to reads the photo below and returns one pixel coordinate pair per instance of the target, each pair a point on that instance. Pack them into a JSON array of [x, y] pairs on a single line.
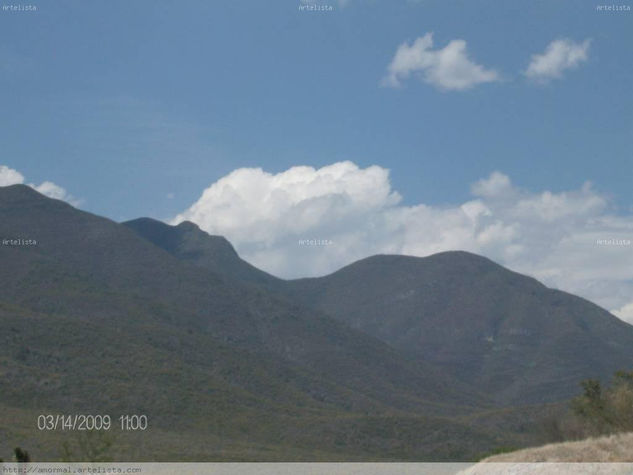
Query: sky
[[312, 134]]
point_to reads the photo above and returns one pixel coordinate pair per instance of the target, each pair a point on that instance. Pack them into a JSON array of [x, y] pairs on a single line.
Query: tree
[[606, 411]]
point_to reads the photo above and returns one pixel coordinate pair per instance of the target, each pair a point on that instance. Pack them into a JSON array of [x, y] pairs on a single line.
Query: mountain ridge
[[475, 318], [187, 242], [94, 305], [183, 329]]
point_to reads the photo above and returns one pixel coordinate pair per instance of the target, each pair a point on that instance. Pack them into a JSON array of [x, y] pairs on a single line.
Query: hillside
[[502, 332], [189, 243], [390, 358], [499, 330], [91, 268], [95, 319]]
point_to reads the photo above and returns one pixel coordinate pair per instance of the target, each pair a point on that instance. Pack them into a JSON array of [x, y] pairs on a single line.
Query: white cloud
[[9, 176], [448, 68], [625, 313], [551, 236], [252, 205], [559, 56], [496, 184], [52, 190]]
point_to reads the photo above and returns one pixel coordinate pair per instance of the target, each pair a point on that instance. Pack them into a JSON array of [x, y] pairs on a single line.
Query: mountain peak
[[188, 242], [476, 319], [19, 192], [189, 226], [18, 198], [447, 261]]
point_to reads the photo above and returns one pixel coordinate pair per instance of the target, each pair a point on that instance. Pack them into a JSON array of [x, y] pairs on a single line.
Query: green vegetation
[[501, 332], [607, 410], [96, 319], [477, 321], [598, 410]]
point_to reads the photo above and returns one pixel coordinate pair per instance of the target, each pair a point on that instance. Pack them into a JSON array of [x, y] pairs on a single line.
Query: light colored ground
[[596, 455]]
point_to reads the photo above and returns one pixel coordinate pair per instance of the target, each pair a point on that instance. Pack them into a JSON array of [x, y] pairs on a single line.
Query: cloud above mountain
[[9, 176], [306, 221], [447, 68]]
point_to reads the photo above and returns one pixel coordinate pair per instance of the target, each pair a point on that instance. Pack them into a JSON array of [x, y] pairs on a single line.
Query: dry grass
[[584, 456]]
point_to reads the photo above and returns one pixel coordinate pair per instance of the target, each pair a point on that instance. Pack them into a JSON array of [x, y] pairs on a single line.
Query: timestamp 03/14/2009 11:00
[[89, 422]]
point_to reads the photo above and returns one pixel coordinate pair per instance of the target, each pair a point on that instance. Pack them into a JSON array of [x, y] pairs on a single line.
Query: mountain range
[[390, 358], [506, 333]]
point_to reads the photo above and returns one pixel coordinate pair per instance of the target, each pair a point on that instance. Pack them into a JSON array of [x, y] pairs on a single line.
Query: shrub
[[606, 411], [21, 456]]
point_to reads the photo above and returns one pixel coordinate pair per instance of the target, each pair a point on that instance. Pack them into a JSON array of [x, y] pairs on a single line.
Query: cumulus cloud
[[559, 56], [9, 176], [448, 68], [250, 204], [306, 222]]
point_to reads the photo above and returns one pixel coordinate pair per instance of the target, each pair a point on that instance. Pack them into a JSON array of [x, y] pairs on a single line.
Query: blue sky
[[135, 108], [122, 103]]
